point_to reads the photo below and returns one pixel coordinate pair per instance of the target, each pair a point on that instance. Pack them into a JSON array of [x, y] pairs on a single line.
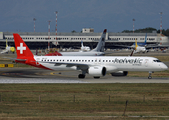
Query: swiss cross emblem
[[21, 48]]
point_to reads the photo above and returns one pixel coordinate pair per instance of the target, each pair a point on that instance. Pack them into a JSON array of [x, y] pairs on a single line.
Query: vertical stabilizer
[[21, 48], [145, 39], [81, 44], [136, 44], [101, 44], [6, 43]]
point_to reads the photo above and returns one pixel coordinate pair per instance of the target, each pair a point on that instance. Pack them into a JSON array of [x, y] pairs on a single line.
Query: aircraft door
[[146, 62], [98, 61]]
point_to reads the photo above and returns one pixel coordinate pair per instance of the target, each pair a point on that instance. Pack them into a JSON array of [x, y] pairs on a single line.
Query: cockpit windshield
[[157, 60]]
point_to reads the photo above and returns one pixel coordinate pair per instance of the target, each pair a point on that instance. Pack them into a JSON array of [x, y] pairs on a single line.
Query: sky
[[113, 15]]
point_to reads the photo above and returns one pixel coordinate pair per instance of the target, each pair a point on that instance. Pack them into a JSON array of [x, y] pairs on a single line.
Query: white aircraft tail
[[82, 44], [101, 44]]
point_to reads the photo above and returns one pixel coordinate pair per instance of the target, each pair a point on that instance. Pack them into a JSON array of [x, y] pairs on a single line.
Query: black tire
[[96, 77], [81, 76]]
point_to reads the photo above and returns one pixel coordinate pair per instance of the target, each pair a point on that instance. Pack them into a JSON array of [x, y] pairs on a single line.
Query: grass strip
[[56, 100]]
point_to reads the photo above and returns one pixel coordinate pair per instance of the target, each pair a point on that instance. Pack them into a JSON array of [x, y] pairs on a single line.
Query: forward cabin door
[[146, 62]]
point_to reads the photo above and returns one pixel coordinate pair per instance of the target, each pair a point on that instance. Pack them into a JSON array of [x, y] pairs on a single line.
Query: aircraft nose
[[164, 67]]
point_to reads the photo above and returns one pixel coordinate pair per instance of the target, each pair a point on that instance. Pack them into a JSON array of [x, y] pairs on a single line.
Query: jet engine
[[97, 71], [120, 73], [12, 49]]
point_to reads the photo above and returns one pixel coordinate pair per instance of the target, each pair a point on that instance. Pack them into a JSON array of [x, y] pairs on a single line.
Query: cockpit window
[[156, 60]]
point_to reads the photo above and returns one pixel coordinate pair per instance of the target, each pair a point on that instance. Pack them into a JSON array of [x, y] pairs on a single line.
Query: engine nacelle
[[97, 71], [120, 73]]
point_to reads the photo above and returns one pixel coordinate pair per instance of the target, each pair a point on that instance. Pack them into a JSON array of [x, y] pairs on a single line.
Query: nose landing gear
[[149, 77]]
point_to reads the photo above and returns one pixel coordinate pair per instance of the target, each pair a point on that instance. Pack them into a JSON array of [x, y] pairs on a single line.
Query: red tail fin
[[21, 47]]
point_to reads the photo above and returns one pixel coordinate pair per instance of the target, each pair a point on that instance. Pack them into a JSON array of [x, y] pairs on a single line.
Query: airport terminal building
[[38, 40]]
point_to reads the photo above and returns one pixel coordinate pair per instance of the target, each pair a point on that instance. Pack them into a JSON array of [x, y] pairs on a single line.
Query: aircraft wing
[[78, 65], [13, 59], [2, 47], [4, 51], [151, 46], [162, 45], [125, 46]]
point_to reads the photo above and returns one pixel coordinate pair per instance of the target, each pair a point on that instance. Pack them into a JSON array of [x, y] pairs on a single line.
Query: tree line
[[147, 30]]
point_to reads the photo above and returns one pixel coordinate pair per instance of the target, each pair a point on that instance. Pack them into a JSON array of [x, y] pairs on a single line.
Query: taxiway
[[36, 75]]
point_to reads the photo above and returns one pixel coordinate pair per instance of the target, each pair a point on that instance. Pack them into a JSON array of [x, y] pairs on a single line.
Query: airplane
[[8, 49], [144, 44], [84, 48], [139, 49], [96, 66], [98, 51]]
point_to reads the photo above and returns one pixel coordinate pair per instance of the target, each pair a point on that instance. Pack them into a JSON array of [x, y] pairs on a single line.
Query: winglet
[[21, 47]]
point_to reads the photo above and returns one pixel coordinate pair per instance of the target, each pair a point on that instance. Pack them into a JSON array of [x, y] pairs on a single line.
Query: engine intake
[[97, 71]]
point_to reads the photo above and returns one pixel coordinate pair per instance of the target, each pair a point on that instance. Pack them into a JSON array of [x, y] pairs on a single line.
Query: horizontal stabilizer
[[13, 59]]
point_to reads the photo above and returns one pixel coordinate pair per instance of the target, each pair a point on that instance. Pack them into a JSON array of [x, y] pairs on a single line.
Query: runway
[[35, 75]]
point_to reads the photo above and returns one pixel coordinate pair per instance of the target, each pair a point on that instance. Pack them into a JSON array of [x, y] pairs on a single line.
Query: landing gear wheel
[[81, 76], [149, 77], [96, 77]]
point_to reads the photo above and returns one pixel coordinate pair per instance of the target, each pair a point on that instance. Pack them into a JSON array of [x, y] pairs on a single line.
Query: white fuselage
[[140, 49], [90, 53], [112, 64], [85, 48]]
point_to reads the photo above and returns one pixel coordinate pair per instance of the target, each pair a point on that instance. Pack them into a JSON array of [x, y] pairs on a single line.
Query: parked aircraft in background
[[139, 49], [7, 49], [84, 48], [98, 51], [144, 44], [96, 66]]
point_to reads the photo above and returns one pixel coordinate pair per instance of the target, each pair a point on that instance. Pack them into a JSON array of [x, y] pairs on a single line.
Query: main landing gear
[[81, 76], [149, 77]]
